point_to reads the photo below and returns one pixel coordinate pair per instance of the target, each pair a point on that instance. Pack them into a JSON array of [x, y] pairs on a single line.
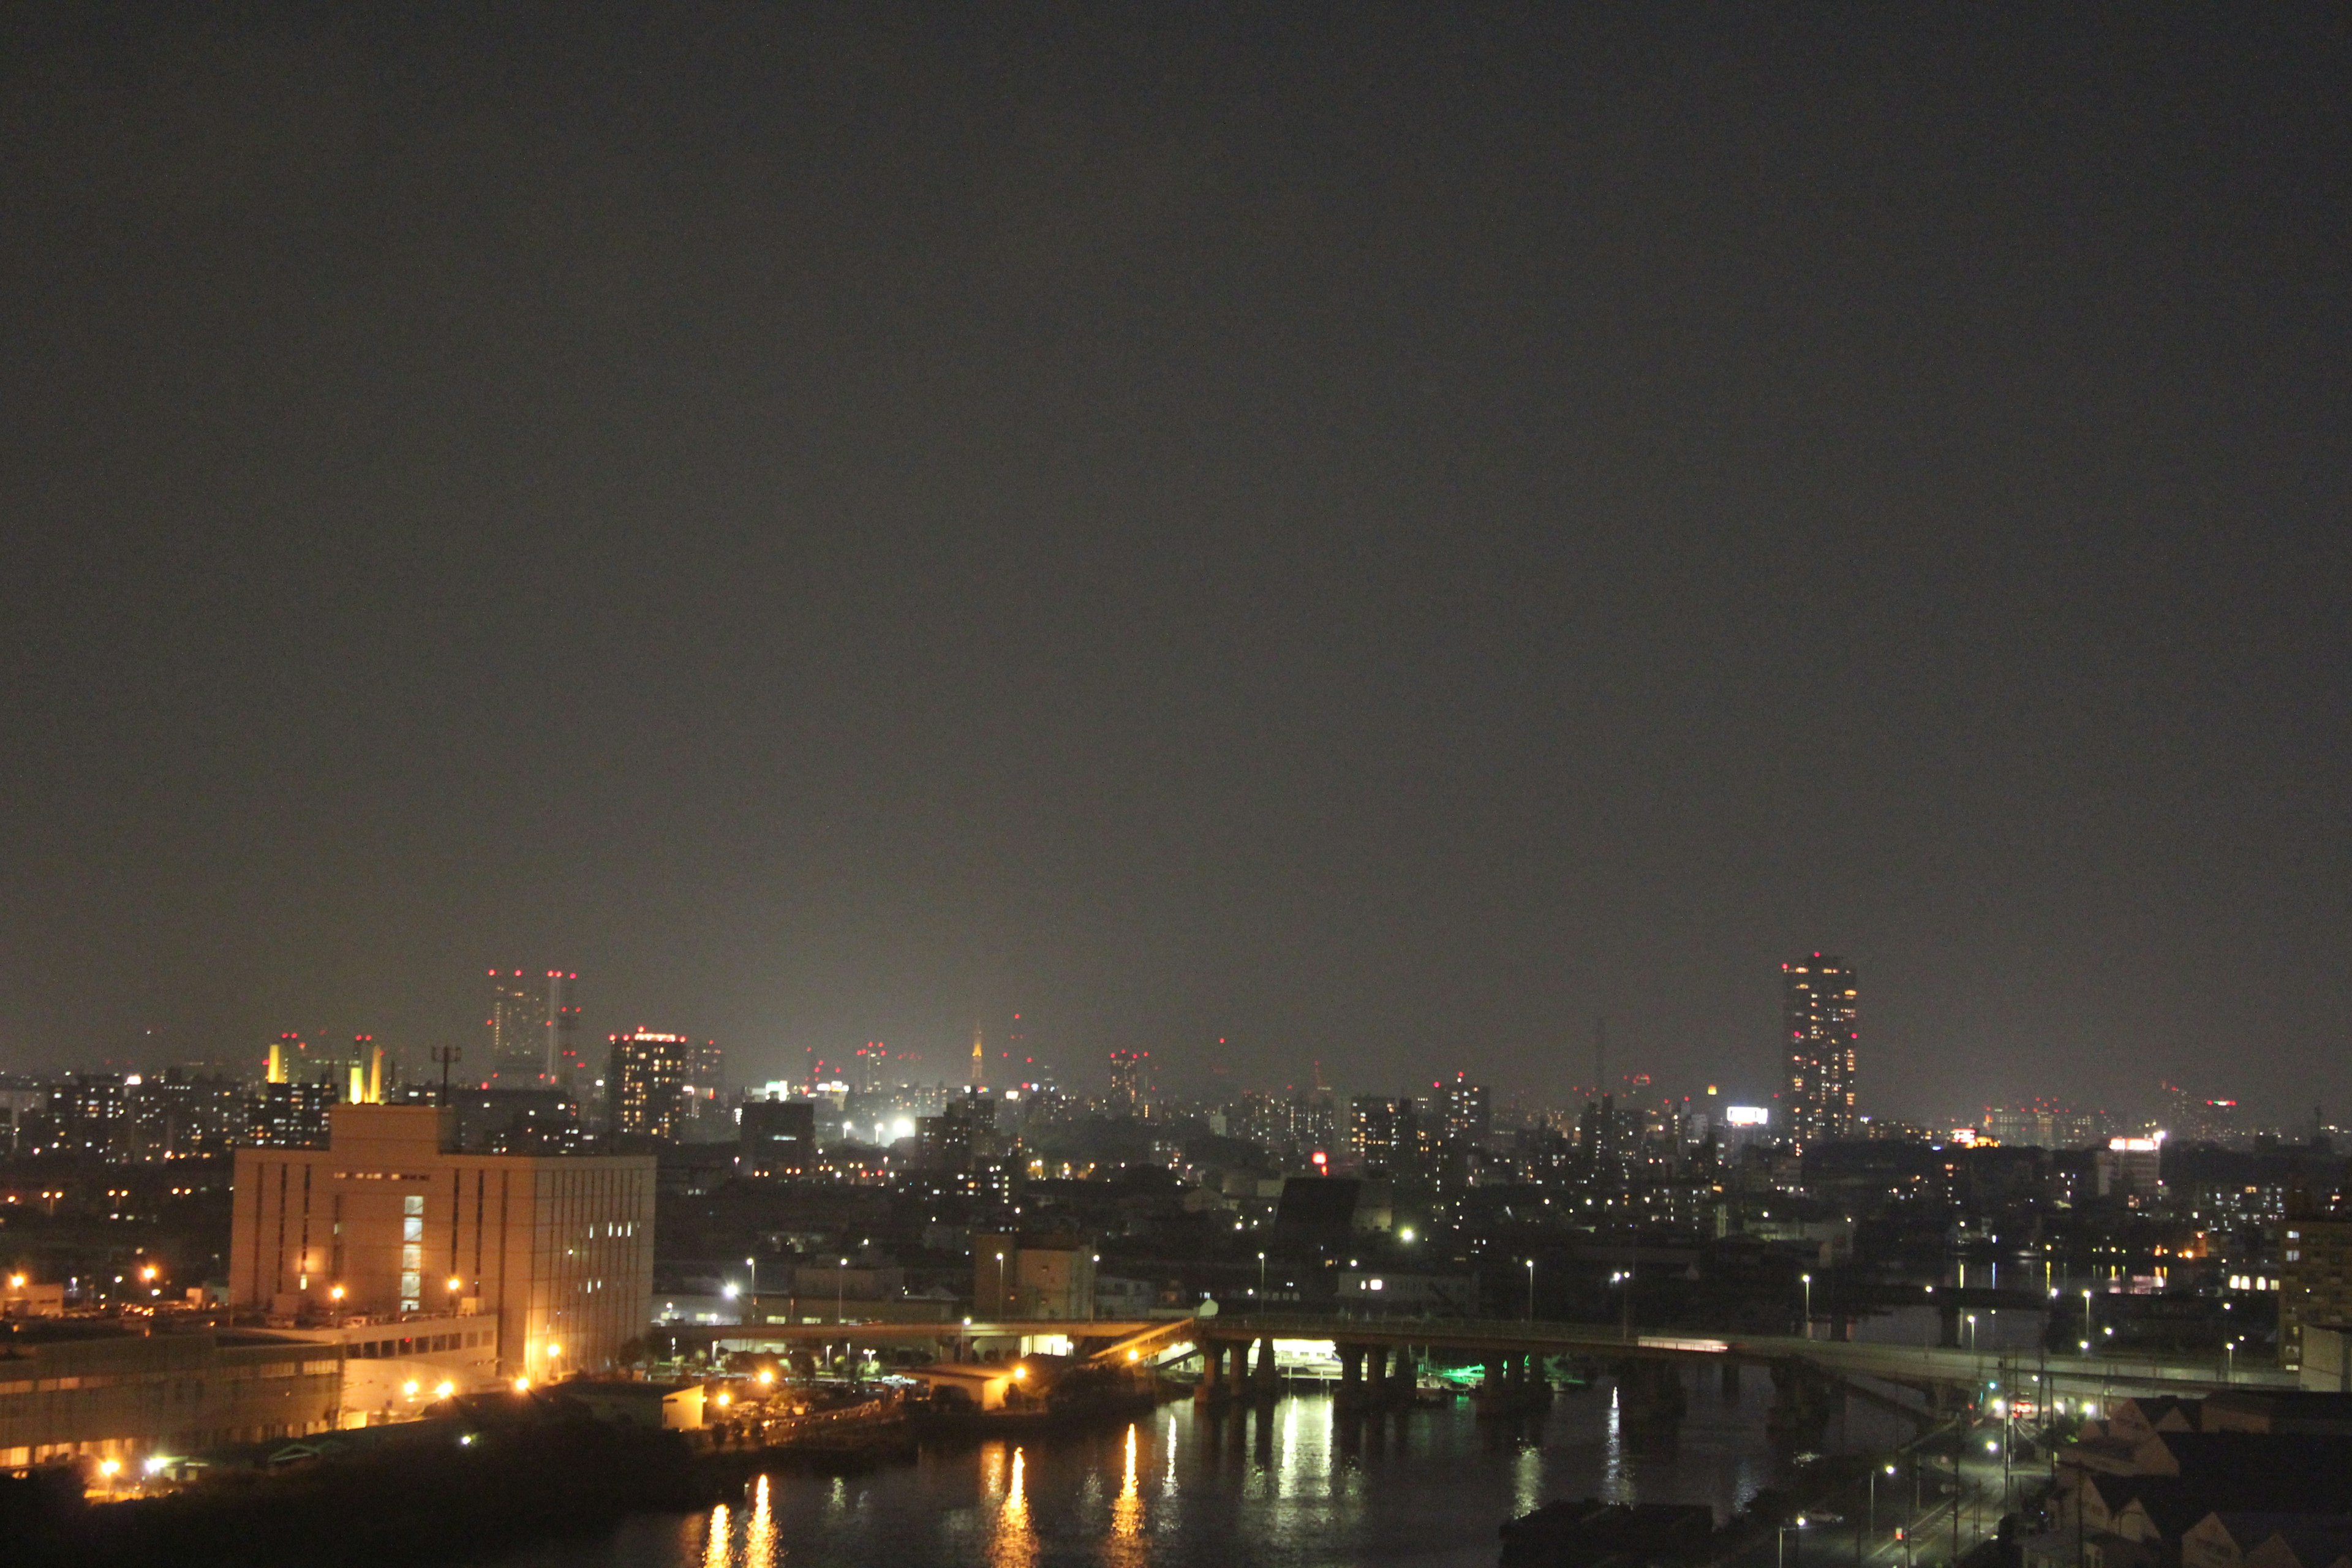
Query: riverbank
[[445, 1489]]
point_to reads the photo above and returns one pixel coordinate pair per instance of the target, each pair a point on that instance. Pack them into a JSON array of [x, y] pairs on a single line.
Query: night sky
[[1374, 534]]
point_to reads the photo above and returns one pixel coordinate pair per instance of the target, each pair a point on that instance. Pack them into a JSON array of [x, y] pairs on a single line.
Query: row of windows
[[419, 1344]]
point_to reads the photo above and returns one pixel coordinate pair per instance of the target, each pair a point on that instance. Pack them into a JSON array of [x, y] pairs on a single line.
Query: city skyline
[[1375, 538], [1800, 1072]]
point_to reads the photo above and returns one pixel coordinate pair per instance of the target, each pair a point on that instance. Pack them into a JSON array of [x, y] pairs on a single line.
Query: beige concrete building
[[102, 1392], [394, 1369], [389, 1223], [1032, 1276]]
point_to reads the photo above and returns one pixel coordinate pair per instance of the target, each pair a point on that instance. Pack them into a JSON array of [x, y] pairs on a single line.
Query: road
[[1899, 1533], [2072, 1376]]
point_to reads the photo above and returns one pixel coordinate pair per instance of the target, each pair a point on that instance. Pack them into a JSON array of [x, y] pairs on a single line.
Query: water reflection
[[716, 1552], [1127, 1547], [1527, 1487], [1015, 1545], [760, 1536], [1424, 1488], [1613, 1486]]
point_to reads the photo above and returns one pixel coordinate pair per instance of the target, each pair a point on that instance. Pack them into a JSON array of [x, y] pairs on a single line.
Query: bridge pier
[[1511, 1387], [1213, 1365], [1351, 1373], [1268, 1382], [1406, 1381], [1376, 1374], [1803, 1400], [1651, 1400]]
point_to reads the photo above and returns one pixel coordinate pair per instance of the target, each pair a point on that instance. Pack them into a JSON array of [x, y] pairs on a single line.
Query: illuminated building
[[563, 1007], [778, 1138], [1817, 1017], [389, 1222], [2315, 1282], [2131, 1169], [96, 1391], [181, 1115], [1468, 1118], [294, 1115], [517, 1026], [706, 1081], [90, 1113], [1031, 1276], [647, 1084], [2043, 1127], [1126, 1082], [1383, 1134]]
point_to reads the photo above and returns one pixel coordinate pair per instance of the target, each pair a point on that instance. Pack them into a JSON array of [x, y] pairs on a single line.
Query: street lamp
[[2229, 1361], [1972, 1334], [1872, 1527], [1261, 1275], [2086, 1323], [1807, 1280], [1781, 1540], [1531, 1289]]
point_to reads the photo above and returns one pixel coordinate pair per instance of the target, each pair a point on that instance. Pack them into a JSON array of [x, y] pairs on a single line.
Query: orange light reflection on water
[[716, 1552], [1015, 1545], [759, 1537]]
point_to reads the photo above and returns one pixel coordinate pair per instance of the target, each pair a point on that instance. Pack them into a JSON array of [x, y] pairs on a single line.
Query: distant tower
[[648, 1092], [517, 1026], [979, 1060], [1467, 1107], [1819, 1017], [1126, 1081], [562, 1027]]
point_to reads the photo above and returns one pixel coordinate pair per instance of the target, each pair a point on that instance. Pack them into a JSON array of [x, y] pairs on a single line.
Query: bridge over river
[[1367, 1348]]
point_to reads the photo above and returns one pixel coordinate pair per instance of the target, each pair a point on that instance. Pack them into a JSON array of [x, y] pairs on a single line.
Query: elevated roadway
[[1918, 1364]]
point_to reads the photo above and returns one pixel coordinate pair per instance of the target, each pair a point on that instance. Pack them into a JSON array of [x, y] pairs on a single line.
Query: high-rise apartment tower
[[1819, 1021], [647, 1087]]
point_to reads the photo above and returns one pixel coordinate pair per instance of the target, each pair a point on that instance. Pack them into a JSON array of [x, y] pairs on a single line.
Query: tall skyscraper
[[562, 1010], [517, 1026], [534, 1026], [1819, 1017], [1468, 1111], [1127, 1085], [646, 1084]]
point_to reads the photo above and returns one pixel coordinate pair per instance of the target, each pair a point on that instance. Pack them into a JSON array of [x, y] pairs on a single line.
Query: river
[[1289, 1485]]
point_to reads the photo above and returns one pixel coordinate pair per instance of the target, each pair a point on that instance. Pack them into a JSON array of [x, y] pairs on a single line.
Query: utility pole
[[447, 1056], [1959, 1447]]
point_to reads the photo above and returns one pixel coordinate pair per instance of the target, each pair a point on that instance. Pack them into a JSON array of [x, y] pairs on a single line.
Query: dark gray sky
[[1377, 533]]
